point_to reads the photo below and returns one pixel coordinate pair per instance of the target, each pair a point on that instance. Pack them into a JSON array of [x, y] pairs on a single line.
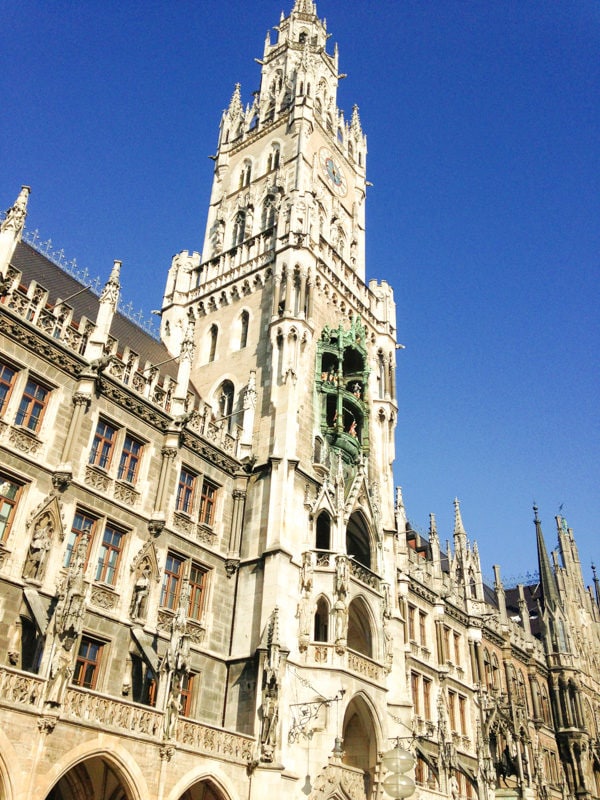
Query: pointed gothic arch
[[97, 777], [321, 620], [323, 531], [361, 738], [361, 637], [359, 540]]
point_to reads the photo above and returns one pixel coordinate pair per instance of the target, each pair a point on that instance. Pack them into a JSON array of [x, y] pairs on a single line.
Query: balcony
[[95, 710]]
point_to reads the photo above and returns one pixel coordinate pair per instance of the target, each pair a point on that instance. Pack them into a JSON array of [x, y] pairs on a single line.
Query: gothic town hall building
[[209, 587]]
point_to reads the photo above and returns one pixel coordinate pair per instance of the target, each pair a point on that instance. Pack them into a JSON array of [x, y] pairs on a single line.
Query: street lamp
[[397, 761]]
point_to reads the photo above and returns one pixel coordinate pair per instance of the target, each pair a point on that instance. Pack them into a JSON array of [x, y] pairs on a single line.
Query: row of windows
[[86, 528], [33, 399], [192, 490]]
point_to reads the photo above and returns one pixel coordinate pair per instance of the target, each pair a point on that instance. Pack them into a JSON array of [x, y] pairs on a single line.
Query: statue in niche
[[141, 590], [61, 670], [173, 709], [342, 577], [306, 573], [270, 716], [340, 613], [70, 608], [39, 547], [305, 617]]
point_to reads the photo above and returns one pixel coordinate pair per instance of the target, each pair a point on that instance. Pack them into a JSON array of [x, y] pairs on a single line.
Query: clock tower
[[294, 354]]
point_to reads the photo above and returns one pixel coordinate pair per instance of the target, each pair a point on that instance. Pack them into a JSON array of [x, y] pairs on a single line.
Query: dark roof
[[533, 595], [62, 286]]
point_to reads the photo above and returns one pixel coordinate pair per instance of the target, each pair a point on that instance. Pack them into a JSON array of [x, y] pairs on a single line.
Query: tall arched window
[[273, 159], [244, 323], [245, 174], [213, 335], [360, 636], [268, 212], [239, 228], [358, 544], [321, 629], [323, 532], [225, 394]]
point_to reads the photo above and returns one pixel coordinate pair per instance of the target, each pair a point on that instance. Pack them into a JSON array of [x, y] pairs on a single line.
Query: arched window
[[358, 545], [225, 394], [273, 159], [321, 628], [213, 335], [268, 213], [360, 637], [244, 323], [303, 37], [323, 531], [239, 228], [495, 683], [245, 174]]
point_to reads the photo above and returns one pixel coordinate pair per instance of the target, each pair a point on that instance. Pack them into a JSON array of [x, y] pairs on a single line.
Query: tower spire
[[547, 579]]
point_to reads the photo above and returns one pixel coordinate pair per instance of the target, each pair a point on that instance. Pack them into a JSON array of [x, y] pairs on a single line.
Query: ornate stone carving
[[339, 781], [103, 598], [41, 542], [97, 479], [126, 494], [15, 216], [25, 441]]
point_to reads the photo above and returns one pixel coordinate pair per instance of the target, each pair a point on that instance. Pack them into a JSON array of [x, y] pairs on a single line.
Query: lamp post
[[398, 761]]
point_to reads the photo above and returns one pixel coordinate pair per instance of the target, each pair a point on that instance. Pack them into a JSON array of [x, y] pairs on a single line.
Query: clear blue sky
[[483, 125]]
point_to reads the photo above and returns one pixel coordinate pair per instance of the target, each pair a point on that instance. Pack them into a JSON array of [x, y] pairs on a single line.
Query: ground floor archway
[[94, 778]]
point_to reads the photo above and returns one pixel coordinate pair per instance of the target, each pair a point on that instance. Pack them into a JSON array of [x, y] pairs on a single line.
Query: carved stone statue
[[340, 613], [140, 592], [38, 549], [173, 709], [305, 617], [342, 577], [61, 670], [306, 573], [270, 716]]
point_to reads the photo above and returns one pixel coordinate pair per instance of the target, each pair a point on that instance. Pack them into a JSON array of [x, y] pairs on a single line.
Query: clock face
[[333, 172]]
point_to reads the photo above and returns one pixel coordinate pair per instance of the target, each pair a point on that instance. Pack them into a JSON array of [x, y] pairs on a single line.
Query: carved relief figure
[[140, 592], [340, 613], [38, 549], [60, 674], [342, 577]]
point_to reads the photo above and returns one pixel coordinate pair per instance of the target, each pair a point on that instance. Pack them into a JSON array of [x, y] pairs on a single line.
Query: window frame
[[128, 457], [170, 589], [83, 662], [8, 385], [7, 522], [32, 408], [208, 502], [185, 497], [103, 447], [198, 581], [104, 565]]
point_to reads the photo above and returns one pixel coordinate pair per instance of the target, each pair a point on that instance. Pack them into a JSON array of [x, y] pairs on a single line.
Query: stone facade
[[210, 589]]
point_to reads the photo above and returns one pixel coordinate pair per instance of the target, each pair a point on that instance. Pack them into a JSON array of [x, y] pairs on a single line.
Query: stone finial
[[459, 528], [399, 499], [110, 293], [236, 108], [433, 532], [304, 7], [355, 125], [15, 216]]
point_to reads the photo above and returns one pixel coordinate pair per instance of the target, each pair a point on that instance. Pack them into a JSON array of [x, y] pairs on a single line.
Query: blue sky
[[483, 125]]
